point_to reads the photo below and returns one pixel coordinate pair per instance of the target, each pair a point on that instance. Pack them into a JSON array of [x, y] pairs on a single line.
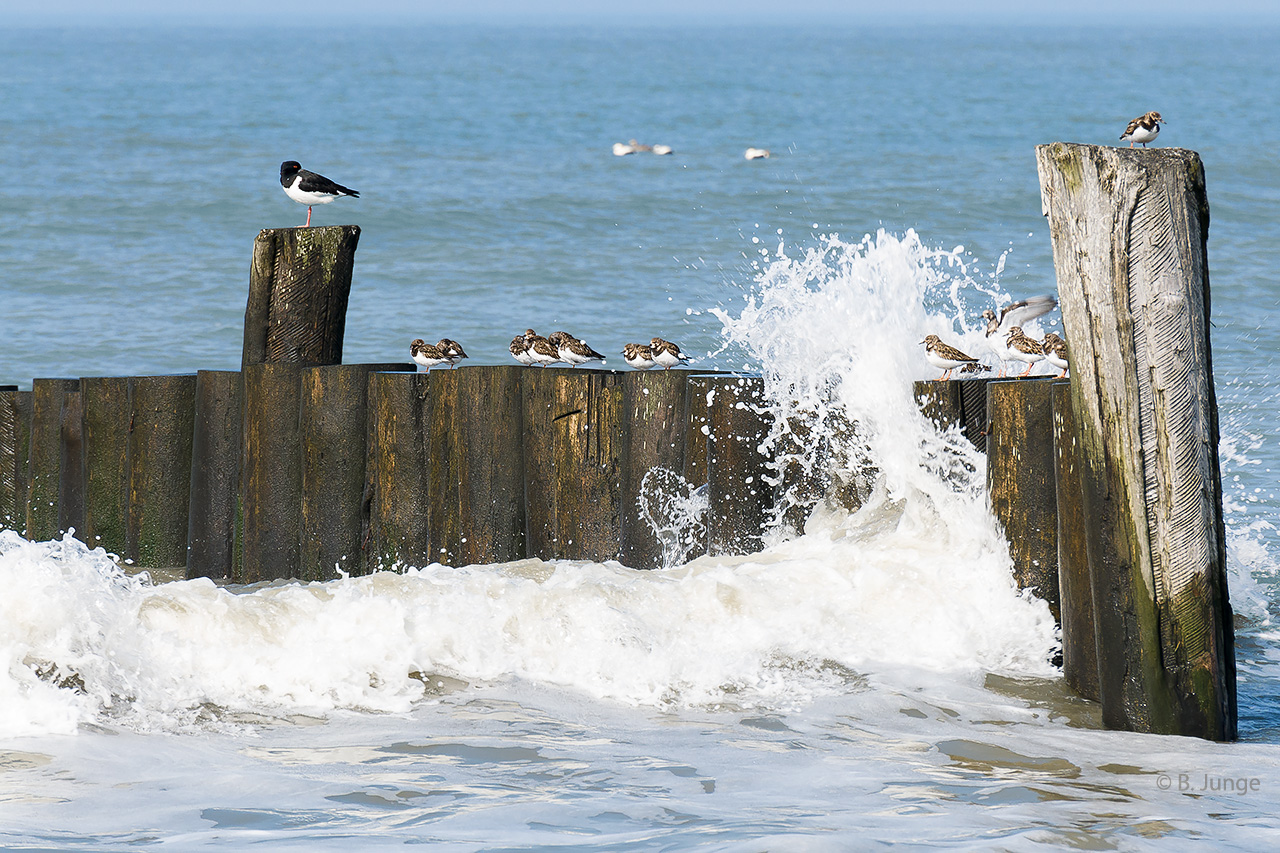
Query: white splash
[[916, 579]]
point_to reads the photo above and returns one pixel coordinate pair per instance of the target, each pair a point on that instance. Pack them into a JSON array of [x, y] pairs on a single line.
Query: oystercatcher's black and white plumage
[[309, 188]]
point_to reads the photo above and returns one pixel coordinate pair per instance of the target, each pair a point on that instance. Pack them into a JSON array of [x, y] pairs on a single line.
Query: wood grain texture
[[739, 497], [1129, 230], [45, 454], [395, 498], [163, 417], [107, 414], [215, 475], [1075, 585]]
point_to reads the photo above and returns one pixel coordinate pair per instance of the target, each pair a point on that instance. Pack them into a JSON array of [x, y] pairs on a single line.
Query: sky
[[532, 11]]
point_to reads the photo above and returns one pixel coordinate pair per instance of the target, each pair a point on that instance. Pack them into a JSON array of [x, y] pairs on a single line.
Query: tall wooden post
[[1075, 587], [298, 287], [1130, 230], [215, 475]]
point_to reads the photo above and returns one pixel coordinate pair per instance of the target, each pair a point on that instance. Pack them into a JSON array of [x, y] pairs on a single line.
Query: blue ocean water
[[813, 697]]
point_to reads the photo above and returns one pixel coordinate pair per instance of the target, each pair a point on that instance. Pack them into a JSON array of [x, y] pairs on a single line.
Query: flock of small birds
[[1007, 342], [556, 348]]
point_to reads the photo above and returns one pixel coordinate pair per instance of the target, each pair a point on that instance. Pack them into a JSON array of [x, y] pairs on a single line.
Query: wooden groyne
[[298, 466]]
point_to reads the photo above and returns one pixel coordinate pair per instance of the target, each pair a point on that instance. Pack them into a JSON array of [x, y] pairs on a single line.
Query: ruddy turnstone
[[666, 354], [452, 349], [757, 154], [542, 351], [1055, 352], [975, 367], [520, 347], [426, 354], [638, 356], [1013, 315], [1143, 129], [1023, 348], [944, 356], [575, 351], [309, 188]]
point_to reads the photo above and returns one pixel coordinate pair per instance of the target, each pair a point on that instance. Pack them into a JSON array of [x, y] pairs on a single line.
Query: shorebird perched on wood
[[520, 347], [944, 356], [452, 349], [638, 356], [1143, 129], [666, 354], [541, 350], [309, 188], [1055, 352], [428, 355], [575, 351], [1014, 314], [1025, 349]]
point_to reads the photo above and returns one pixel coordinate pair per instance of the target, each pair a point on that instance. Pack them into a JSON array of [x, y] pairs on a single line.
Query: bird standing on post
[[1025, 349], [944, 356], [1055, 352], [1143, 129], [309, 188], [666, 354], [1014, 314]]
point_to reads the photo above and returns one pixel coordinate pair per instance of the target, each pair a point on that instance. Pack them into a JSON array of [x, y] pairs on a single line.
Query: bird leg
[[308, 225], [1027, 372]]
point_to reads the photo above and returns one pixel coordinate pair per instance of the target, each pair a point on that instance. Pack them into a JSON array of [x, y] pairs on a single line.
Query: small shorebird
[[541, 350], [575, 351], [757, 154], [666, 354], [975, 367], [520, 347], [944, 356], [661, 150], [1055, 352], [452, 349], [638, 356], [1012, 315], [427, 355], [1025, 349], [309, 188], [1143, 129]]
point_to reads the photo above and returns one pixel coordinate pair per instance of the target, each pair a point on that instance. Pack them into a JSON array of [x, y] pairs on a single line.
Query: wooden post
[[973, 409], [270, 473], [215, 475], [1130, 230], [160, 469], [46, 456], [573, 457], [698, 430], [739, 497], [299, 282], [475, 465], [1075, 589], [12, 511], [71, 485], [332, 425], [655, 418], [961, 402], [1020, 483], [107, 415], [396, 471]]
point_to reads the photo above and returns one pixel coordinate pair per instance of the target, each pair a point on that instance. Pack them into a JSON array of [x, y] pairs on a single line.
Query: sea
[[871, 679]]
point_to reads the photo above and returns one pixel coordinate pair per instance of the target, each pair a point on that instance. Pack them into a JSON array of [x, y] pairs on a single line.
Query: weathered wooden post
[[160, 469], [107, 415], [654, 421], [1079, 636], [45, 478], [1020, 482], [738, 494], [71, 486], [1130, 230], [215, 475], [396, 471], [271, 473], [960, 402], [298, 287], [572, 458], [13, 463], [332, 428], [698, 430], [475, 466]]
